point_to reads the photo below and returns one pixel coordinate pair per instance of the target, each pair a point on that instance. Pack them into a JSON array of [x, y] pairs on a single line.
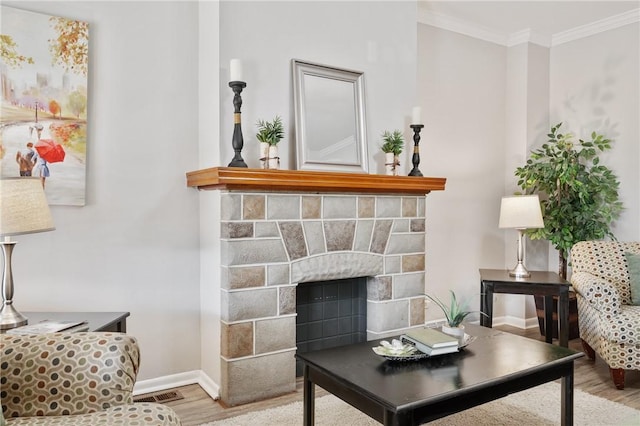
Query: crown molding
[[613, 22], [470, 29], [460, 26]]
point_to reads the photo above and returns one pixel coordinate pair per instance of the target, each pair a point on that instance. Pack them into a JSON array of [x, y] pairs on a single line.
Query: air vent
[[159, 397]]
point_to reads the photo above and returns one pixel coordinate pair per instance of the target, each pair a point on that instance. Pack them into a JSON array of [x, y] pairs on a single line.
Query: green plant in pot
[[579, 196], [269, 134], [455, 313], [392, 147]]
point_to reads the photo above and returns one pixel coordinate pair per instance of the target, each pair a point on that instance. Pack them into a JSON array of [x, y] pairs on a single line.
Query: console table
[[541, 283], [97, 321]]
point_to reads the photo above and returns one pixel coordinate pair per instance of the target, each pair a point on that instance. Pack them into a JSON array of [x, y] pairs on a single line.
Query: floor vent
[[159, 397]]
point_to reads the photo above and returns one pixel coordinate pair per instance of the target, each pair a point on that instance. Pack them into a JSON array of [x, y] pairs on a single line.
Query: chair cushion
[[622, 328], [633, 260], [140, 413]]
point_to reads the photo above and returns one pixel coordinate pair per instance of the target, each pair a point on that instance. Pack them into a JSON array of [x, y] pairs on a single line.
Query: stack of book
[[49, 326], [431, 341]]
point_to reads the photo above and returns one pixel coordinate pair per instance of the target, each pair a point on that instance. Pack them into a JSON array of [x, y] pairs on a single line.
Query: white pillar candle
[[235, 70], [416, 116]]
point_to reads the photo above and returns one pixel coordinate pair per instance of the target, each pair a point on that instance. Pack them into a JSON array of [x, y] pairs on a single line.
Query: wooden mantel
[[240, 179]]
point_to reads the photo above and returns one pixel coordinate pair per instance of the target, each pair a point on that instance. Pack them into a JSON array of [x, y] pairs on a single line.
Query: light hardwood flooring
[[197, 407]]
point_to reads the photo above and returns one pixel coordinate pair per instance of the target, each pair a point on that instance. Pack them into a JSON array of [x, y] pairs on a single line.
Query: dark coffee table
[[495, 365]]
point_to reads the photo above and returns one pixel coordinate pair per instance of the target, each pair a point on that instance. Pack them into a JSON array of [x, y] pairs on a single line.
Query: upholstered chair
[[608, 321], [74, 379]]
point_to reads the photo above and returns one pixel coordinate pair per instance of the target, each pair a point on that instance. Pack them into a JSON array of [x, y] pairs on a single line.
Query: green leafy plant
[[579, 196], [393, 142], [456, 312], [270, 132]]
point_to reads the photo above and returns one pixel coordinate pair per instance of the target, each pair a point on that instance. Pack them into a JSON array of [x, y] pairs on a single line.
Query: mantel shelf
[[244, 179]]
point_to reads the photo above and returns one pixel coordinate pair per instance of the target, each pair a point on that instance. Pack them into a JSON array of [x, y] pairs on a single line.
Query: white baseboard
[[176, 380], [516, 322]]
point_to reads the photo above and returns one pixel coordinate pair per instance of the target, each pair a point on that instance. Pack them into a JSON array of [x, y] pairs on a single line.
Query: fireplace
[[283, 228]]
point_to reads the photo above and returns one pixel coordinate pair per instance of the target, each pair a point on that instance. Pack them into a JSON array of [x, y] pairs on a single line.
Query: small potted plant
[[269, 134], [455, 313], [392, 147]]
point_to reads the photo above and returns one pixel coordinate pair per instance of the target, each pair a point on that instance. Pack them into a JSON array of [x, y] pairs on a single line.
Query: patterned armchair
[[609, 324], [74, 379]]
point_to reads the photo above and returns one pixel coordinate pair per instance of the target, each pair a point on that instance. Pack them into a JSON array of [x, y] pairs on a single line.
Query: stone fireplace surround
[[273, 240]]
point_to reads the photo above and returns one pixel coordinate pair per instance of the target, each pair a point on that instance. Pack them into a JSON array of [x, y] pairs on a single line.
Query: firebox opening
[[330, 313]]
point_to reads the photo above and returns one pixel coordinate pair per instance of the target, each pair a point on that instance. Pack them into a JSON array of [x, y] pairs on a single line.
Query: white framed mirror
[[330, 125]]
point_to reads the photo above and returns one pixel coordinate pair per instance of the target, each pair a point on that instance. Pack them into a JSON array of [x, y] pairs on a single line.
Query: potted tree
[[269, 134], [579, 197], [392, 147]]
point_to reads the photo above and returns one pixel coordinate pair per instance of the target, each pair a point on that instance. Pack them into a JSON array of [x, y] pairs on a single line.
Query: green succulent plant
[[456, 312], [270, 132], [393, 142]]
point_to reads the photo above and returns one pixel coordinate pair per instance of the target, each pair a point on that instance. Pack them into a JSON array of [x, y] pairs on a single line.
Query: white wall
[[134, 246], [462, 90], [595, 86], [378, 38]]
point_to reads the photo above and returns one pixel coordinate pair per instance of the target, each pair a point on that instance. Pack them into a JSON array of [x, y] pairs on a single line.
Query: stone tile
[[278, 274], [381, 231], [417, 225], [339, 207], [387, 315], [230, 207], [293, 239], [283, 207], [413, 263], [406, 243], [379, 288], [266, 229], [334, 266], [287, 300], [253, 207], [244, 252], [245, 277], [314, 237], [364, 228], [340, 234], [408, 285], [388, 207], [262, 377], [400, 225], [392, 265], [275, 334], [366, 207], [311, 207], [409, 206], [416, 311], [251, 304], [236, 230], [236, 340], [422, 206]]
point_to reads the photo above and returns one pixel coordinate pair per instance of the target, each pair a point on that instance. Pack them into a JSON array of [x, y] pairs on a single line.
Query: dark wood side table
[[98, 321], [541, 283]]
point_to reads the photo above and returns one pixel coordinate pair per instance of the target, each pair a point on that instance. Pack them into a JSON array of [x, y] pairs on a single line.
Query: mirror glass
[[330, 119]]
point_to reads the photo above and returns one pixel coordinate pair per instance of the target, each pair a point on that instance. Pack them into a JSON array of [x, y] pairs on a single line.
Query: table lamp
[[23, 210], [520, 212]]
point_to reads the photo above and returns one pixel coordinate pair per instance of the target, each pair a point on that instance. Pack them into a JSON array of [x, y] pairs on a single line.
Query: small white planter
[[264, 155], [391, 163], [457, 332], [274, 160]]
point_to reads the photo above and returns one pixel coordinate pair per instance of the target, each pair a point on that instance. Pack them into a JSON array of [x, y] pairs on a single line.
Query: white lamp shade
[[521, 212], [23, 207]]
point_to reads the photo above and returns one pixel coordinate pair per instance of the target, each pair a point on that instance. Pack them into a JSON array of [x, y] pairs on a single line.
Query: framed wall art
[[43, 119]]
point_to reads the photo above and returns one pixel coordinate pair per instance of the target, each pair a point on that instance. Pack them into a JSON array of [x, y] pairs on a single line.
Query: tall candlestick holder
[[415, 159], [237, 142]]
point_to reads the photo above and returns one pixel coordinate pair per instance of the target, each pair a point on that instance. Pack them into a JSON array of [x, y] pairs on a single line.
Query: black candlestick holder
[[415, 159], [237, 142]]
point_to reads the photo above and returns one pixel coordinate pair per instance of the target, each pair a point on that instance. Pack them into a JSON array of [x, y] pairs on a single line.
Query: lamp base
[[10, 318], [519, 271]]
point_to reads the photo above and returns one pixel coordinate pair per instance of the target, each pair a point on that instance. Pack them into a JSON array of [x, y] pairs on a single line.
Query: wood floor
[[197, 407]]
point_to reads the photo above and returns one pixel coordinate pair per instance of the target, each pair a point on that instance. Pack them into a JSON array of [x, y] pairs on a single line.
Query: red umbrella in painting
[[50, 150]]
